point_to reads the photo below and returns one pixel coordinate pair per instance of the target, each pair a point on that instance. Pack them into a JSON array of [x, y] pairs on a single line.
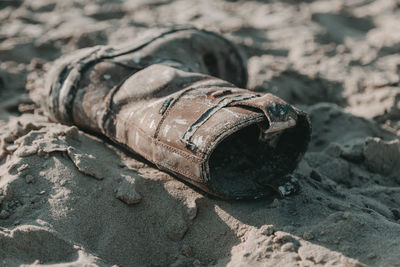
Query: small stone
[[381, 156], [4, 214], [290, 187], [29, 179], [72, 132], [371, 256], [86, 163], [107, 76], [176, 228], [42, 192], [353, 151], [126, 192]]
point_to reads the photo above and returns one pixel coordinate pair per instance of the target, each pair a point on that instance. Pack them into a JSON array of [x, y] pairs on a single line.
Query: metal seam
[[187, 136]]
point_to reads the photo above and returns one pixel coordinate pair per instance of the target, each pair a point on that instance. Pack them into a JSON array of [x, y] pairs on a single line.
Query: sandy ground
[[70, 198]]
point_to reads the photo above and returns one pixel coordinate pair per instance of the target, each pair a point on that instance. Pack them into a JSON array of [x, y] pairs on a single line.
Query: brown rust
[[157, 98]]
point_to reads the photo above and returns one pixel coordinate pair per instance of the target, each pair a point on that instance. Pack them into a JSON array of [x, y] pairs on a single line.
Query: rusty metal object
[[160, 98]]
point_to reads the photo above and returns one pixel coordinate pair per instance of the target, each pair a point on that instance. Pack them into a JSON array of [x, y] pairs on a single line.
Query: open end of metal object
[[251, 162]]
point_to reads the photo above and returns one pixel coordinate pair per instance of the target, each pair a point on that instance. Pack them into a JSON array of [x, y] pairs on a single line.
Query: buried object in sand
[[174, 98]]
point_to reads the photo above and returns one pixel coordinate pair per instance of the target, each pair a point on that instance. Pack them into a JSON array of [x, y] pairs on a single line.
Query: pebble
[[72, 132], [176, 228], [381, 156], [86, 164], [29, 179], [4, 214], [126, 192], [353, 152]]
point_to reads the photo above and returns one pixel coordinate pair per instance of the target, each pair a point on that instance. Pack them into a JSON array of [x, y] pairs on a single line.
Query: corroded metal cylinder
[[173, 97]]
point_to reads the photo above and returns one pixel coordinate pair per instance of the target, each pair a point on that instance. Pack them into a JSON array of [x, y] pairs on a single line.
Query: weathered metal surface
[[157, 98]]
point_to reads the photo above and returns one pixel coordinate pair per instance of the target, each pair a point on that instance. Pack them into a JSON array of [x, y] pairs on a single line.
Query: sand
[[69, 198]]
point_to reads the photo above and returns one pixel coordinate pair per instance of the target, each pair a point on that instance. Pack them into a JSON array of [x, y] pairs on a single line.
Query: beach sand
[[69, 198]]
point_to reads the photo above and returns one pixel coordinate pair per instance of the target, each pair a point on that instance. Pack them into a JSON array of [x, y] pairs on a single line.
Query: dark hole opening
[[211, 63], [242, 165]]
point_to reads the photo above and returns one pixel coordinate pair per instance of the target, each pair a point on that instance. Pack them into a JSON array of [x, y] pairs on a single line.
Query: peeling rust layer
[[156, 97]]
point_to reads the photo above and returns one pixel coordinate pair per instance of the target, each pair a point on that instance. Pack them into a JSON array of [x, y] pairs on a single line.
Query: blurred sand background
[[69, 198]]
